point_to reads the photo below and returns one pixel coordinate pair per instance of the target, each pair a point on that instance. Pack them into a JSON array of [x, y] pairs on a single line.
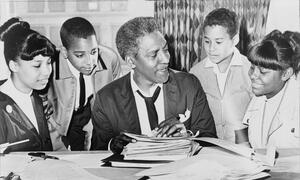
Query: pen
[[5, 145], [11, 176], [42, 155]]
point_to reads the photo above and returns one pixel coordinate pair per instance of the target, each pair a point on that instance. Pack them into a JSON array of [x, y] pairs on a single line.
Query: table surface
[[287, 158]]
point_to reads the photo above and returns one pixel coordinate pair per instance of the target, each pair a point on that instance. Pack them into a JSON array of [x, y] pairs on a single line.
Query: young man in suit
[[83, 68], [123, 105]]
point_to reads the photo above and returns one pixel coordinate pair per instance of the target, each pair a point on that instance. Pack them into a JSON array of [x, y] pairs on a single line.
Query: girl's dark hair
[[22, 42], [275, 52]]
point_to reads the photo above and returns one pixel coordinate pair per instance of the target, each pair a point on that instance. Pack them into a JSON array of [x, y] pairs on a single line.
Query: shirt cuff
[[108, 148]]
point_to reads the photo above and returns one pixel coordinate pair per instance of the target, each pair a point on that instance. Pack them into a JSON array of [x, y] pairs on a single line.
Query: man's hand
[[171, 128], [117, 144]]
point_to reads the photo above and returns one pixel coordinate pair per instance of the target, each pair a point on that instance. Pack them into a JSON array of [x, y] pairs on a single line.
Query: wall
[[48, 15], [283, 15]]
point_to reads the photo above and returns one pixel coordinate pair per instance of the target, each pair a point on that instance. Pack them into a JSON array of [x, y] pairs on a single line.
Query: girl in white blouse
[[273, 114]]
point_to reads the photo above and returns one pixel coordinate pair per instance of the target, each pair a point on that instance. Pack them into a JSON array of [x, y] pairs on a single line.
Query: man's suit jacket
[[15, 126], [115, 109], [62, 91]]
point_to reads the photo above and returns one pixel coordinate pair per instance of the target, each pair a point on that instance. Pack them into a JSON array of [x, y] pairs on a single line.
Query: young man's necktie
[[82, 91]]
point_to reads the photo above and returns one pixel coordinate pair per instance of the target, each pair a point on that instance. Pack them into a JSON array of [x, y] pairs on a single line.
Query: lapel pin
[[185, 116], [9, 108]]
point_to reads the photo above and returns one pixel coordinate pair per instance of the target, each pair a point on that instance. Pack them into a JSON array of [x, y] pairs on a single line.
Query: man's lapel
[[102, 75], [129, 106], [171, 96]]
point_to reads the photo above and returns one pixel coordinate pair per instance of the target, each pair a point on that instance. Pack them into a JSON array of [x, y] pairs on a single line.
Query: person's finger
[[165, 127], [167, 121], [127, 139], [173, 129], [164, 130], [176, 134], [50, 111], [162, 124]]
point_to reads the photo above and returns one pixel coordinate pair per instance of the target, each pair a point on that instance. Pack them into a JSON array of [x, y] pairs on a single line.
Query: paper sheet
[[68, 167], [242, 150], [85, 160], [15, 163], [209, 162], [56, 170], [287, 164], [237, 148]]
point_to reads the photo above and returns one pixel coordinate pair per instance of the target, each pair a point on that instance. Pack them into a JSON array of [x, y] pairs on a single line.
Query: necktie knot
[[154, 96]]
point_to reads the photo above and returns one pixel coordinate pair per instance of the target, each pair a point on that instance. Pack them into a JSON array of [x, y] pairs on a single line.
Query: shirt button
[[293, 130]]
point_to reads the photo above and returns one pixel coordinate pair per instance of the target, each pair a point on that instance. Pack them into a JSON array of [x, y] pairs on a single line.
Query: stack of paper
[[159, 149]]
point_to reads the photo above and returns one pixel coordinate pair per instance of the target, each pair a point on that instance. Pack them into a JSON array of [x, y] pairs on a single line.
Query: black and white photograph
[[149, 89]]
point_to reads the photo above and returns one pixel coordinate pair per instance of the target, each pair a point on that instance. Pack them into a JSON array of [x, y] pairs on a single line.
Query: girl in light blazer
[[273, 114], [28, 56]]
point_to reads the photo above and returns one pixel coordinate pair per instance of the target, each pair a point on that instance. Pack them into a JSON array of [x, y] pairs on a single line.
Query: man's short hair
[[129, 34], [76, 27], [225, 18]]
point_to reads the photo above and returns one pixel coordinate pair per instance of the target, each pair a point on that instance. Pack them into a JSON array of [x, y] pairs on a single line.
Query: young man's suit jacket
[[115, 109], [15, 126], [62, 91]]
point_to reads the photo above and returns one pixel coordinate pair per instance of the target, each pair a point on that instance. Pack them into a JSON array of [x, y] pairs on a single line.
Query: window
[[97, 30], [41, 29], [56, 5], [54, 35], [87, 5], [119, 5], [36, 6]]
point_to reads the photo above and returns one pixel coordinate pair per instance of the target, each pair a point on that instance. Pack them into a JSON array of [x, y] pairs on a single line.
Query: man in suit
[[83, 67], [121, 106]]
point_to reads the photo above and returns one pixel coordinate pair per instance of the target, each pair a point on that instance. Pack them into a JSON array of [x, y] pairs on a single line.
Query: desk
[[287, 165]]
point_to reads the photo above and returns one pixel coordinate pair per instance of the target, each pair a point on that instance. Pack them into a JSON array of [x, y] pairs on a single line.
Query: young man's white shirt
[[222, 77], [87, 81]]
